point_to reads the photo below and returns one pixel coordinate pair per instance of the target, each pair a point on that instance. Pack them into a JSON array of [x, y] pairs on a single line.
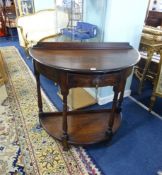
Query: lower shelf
[[83, 128]]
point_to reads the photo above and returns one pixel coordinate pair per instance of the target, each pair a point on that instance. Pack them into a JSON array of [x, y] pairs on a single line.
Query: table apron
[[82, 79]]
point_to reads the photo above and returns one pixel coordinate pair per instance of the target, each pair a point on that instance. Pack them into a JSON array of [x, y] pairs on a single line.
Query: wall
[[40, 4], [94, 13], [124, 21]]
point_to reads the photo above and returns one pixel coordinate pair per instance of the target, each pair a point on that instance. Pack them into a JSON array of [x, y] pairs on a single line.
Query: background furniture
[[81, 31], [75, 11], [24, 7], [7, 18], [44, 23], [154, 19], [2, 22], [152, 70], [10, 19], [157, 89], [73, 65], [151, 42]]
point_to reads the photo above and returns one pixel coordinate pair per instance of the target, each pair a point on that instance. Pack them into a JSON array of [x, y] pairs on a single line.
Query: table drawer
[[88, 80]]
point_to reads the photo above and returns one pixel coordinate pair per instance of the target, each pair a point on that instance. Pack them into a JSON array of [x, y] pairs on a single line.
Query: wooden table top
[[85, 57]]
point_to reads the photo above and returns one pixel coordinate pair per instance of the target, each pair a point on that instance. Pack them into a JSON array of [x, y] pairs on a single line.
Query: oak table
[[73, 65]]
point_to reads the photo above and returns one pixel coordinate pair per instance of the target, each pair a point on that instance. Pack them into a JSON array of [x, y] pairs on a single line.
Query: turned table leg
[[37, 76], [64, 122], [121, 95], [112, 116], [40, 106]]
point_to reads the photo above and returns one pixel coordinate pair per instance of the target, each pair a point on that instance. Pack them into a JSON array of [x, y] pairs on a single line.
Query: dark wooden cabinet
[[154, 19], [73, 65]]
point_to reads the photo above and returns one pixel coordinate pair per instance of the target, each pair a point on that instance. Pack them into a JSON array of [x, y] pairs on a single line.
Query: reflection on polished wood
[[73, 65]]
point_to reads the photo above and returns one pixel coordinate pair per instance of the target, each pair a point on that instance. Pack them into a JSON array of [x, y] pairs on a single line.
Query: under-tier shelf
[[84, 127]]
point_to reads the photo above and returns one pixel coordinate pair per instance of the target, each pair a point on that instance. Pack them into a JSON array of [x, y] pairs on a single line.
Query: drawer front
[[93, 80]]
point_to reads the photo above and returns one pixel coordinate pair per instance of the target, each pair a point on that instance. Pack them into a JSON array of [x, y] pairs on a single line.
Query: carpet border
[[145, 107], [52, 107], [32, 75]]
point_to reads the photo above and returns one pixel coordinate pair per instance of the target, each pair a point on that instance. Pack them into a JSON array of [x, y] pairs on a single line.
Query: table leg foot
[[153, 99], [140, 88], [109, 133], [65, 143], [40, 124], [40, 115]]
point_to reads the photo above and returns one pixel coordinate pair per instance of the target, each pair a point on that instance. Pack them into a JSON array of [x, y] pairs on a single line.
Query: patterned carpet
[[27, 148], [10, 157]]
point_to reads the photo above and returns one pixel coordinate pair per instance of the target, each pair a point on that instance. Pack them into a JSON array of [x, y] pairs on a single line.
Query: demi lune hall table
[[73, 65]]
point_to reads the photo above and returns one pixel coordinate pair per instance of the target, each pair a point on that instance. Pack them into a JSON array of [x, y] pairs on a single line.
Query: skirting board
[[107, 99], [79, 98]]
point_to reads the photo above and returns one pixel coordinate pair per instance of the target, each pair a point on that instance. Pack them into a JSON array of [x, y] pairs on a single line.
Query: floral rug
[[10, 154], [32, 149]]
